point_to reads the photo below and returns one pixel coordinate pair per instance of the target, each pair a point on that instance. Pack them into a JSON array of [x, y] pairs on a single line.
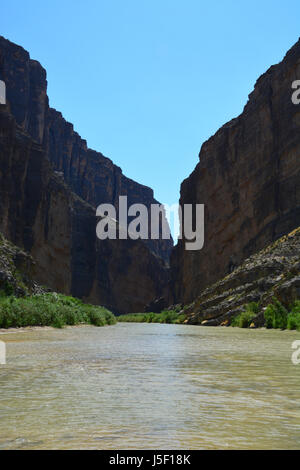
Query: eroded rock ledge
[[273, 272]]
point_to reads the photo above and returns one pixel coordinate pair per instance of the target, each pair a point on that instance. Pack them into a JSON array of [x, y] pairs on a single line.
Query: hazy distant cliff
[[50, 184], [248, 178]]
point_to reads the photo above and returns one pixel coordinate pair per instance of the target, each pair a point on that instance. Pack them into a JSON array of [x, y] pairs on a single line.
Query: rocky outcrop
[[50, 184], [17, 271], [248, 178], [273, 272]]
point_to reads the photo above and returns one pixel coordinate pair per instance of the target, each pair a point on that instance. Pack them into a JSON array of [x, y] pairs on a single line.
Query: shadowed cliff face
[[92, 176], [249, 180], [88, 173], [50, 184]]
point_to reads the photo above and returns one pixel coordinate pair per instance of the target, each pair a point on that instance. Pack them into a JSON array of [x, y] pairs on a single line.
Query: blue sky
[[146, 82]]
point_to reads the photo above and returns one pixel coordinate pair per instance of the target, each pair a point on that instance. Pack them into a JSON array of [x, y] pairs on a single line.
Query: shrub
[[7, 289], [296, 307], [50, 309], [276, 315], [293, 321], [244, 319], [253, 307], [167, 316], [132, 318]]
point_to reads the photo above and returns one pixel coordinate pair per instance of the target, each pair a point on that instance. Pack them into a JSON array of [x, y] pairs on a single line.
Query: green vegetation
[[7, 289], [163, 317], [293, 321], [276, 316], [245, 318], [50, 309]]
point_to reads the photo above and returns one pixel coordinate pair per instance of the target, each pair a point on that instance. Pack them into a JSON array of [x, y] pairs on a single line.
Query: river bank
[[274, 316], [50, 309]]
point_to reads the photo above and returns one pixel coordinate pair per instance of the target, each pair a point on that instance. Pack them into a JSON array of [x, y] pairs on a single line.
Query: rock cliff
[[248, 177], [50, 184]]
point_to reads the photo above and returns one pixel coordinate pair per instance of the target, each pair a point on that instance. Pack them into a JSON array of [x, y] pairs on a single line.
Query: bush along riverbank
[[23, 302], [167, 316], [275, 316], [50, 309]]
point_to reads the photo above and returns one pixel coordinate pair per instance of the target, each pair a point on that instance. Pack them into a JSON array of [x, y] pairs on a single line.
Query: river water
[[149, 386]]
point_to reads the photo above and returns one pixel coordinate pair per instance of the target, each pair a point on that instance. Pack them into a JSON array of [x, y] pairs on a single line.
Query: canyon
[[247, 177]]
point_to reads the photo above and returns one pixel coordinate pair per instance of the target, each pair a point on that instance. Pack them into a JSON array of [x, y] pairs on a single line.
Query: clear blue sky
[[146, 82]]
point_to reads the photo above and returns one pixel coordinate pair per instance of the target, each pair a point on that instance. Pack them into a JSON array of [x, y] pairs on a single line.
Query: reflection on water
[[139, 386]]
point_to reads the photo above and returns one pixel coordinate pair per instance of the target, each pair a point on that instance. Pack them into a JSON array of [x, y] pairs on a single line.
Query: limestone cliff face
[[50, 184], [248, 178]]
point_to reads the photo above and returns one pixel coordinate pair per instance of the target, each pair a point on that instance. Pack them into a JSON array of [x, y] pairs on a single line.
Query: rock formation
[[248, 178], [17, 271], [273, 272], [50, 185]]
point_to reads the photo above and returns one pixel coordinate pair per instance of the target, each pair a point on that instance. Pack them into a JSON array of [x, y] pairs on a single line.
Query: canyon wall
[[248, 177], [50, 185]]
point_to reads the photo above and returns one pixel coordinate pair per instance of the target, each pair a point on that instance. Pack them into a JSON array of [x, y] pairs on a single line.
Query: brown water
[[139, 386]]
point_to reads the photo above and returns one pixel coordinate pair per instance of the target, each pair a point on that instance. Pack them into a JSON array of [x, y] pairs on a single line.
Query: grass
[[163, 317], [50, 309]]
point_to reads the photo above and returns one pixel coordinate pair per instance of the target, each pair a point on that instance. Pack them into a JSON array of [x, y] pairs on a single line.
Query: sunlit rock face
[[272, 272], [51, 184], [248, 178]]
